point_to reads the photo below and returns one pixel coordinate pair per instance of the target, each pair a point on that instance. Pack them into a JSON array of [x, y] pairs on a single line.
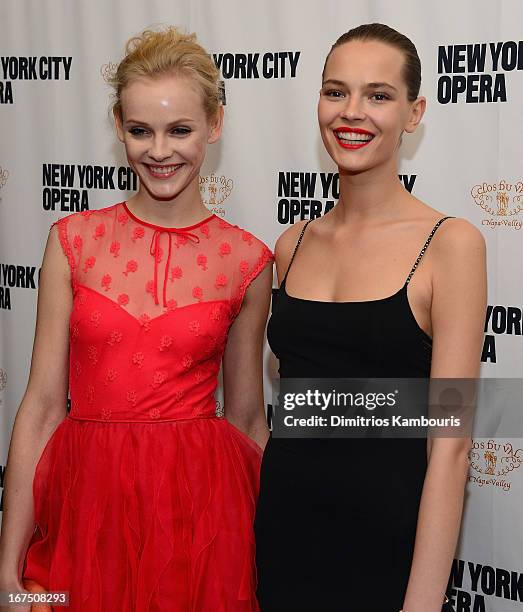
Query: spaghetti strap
[[425, 246], [295, 249]]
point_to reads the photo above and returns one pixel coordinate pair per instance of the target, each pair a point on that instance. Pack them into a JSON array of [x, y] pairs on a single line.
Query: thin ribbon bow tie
[[154, 250]]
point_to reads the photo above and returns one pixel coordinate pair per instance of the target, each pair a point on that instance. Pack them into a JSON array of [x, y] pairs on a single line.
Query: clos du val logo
[[502, 200]]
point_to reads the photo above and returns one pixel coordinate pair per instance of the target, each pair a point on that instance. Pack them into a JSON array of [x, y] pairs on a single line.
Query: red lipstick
[[356, 143]]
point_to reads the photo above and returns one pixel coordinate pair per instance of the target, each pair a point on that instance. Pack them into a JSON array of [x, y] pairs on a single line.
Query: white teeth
[[354, 136], [164, 169]]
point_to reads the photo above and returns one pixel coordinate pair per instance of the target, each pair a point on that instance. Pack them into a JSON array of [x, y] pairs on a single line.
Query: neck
[[373, 196], [185, 209]]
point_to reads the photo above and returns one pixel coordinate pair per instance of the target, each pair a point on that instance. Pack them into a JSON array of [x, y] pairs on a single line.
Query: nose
[[160, 148], [352, 109]]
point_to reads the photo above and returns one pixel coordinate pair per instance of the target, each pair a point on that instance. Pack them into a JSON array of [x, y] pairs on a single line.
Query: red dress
[[145, 494]]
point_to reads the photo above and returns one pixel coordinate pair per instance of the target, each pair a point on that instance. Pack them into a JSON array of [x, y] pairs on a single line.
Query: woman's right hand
[[13, 587]]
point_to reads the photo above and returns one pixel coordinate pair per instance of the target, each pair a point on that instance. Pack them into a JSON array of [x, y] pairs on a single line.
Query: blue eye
[[137, 131], [181, 131]]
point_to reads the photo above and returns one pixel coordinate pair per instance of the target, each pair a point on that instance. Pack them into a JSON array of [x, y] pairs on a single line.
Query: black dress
[[336, 518]]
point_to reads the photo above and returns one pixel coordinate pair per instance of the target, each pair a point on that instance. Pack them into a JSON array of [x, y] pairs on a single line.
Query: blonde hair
[[168, 51]]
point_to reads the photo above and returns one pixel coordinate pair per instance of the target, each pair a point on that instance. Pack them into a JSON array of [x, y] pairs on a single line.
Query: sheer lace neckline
[[162, 227]]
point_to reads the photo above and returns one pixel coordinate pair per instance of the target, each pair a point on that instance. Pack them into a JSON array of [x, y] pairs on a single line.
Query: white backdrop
[[465, 161]]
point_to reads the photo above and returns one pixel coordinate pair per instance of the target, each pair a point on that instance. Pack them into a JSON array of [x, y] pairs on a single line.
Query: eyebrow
[[333, 82], [378, 85], [181, 120], [375, 85]]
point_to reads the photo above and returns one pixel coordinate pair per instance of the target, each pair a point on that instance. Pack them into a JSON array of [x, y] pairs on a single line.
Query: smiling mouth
[[352, 140], [163, 171]]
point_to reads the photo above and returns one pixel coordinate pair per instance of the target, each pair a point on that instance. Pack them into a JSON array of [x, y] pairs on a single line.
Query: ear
[[416, 114], [118, 125], [215, 126]]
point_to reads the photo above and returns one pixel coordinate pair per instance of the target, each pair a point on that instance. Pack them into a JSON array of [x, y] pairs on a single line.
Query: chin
[[161, 194], [354, 167], [353, 170]]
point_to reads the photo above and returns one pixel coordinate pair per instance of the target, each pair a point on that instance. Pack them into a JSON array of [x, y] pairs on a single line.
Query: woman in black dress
[[369, 524]]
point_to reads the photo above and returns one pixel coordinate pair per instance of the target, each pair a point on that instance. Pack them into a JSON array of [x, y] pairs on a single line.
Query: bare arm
[[458, 315], [42, 408], [243, 361]]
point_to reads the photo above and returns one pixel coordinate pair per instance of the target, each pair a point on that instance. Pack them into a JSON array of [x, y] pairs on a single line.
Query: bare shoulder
[[459, 260], [287, 241], [285, 246], [457, 236]]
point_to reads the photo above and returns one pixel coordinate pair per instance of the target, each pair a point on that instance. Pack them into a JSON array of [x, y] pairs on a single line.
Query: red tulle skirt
[[146, 517]]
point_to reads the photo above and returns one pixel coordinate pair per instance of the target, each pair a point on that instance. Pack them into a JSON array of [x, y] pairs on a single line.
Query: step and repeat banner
[[59, 154]]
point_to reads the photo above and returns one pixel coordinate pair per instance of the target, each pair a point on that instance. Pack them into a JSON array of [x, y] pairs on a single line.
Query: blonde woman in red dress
[[144, 493]]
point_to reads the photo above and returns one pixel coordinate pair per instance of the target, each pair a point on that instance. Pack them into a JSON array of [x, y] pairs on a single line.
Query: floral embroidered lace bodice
[[151, 312]]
